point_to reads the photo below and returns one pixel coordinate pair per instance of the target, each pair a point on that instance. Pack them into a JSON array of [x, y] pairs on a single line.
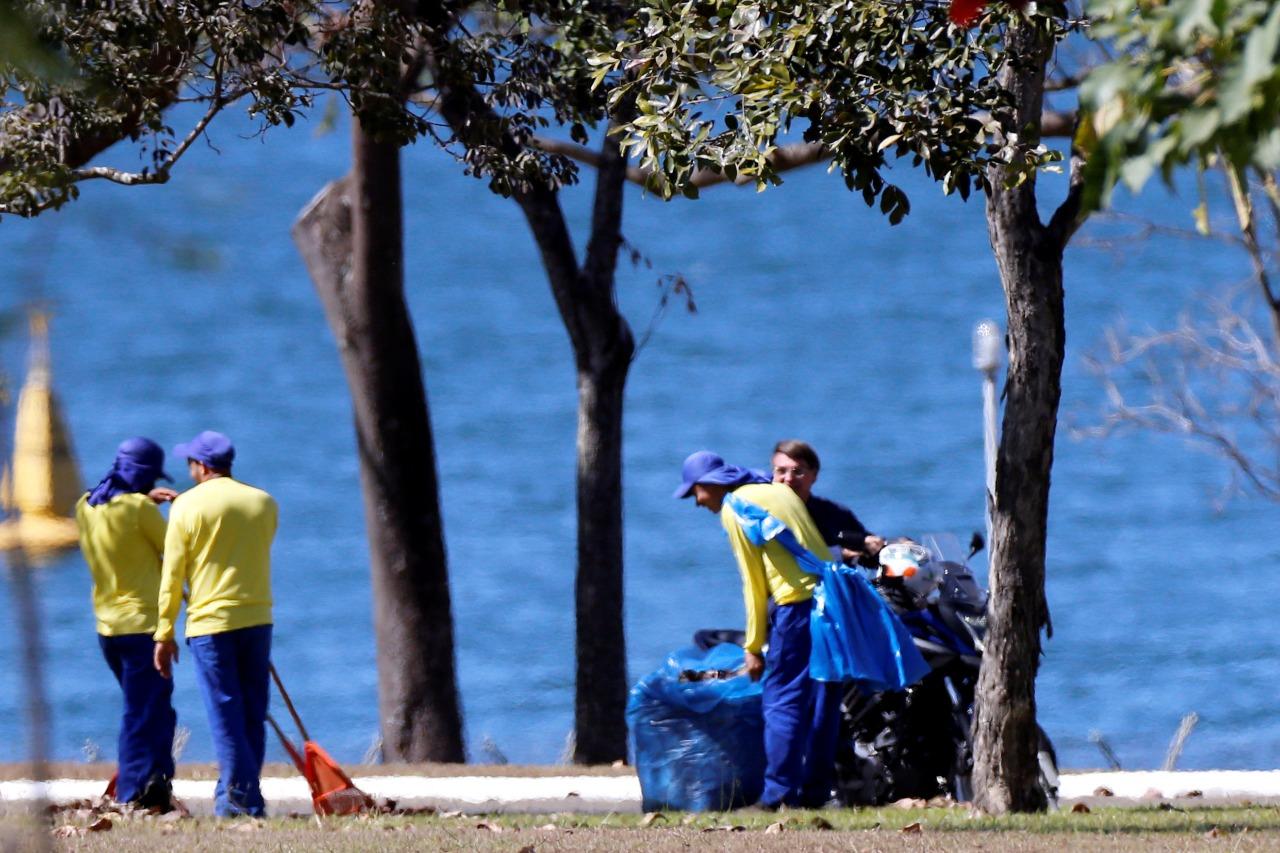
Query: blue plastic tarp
[[857, 636], [697, 737]]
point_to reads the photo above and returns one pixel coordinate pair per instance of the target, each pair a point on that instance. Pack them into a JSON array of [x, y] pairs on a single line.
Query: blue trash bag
[[857, 636], [697, 736]]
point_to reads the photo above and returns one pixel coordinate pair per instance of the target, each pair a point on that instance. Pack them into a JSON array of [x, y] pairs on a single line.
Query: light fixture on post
[[988, 344]]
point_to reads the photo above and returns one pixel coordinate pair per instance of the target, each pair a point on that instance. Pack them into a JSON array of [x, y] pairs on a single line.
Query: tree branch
[[784, 158], [1068, 218], [586, 156], [161, 173], [1213, 378], [606, 214]]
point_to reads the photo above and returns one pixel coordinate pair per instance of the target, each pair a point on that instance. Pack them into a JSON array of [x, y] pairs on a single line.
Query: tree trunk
[[602, 350], [351, 238], [1006, 772], [603, 347], [600, 728]]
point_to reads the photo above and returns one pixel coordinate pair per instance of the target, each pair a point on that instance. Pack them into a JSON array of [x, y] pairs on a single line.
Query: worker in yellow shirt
[[121, 536], [219, 545], [801, 716]]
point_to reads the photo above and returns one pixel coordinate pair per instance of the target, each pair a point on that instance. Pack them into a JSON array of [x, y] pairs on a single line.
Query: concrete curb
[[622, 793]]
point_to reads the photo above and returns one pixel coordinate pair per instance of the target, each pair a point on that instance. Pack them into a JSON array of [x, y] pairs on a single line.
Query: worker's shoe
[[157, 795]]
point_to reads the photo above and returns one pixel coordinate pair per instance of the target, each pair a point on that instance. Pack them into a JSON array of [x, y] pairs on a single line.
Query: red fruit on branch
[[965, 12]]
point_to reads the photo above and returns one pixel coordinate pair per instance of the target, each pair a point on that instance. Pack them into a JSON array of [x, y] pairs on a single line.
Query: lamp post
[[987, 346]]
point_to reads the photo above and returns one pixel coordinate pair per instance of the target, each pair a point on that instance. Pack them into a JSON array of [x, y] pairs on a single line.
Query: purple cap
[[144, 455], [710, 468], [212, 448]]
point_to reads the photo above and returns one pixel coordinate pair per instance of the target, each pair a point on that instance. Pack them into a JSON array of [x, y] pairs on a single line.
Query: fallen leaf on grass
[[820, 822], [572, 794], [1103, 791], [652, 817], [248, 826], [726, 828], [1080, 808], [451, 814], [913, 828], [1192, 795], [1212, 833], [774, 828], [528, 848], [688, 819], [910, 803], [68, 831], [102, 824], [492, 827]]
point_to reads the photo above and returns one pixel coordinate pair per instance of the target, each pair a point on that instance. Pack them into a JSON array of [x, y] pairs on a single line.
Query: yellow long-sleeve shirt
[[121, 541], [219, 544], [771, 570]]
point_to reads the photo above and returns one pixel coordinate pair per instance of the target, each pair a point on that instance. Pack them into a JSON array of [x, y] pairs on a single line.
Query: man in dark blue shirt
[[796, 464]]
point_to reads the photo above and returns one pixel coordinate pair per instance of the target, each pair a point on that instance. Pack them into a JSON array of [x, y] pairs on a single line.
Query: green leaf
[[1197, 126]]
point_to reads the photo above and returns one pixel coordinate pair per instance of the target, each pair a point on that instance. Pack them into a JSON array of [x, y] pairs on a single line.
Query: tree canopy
[[720, 86], [135, 61], [1192, 81]]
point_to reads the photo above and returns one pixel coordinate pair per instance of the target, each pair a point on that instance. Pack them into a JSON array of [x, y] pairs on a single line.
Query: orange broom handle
[[298, 760], [288, 703]]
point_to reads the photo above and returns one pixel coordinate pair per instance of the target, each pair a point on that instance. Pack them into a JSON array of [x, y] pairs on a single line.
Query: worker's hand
[[850, 557], [874, 544], [754, 665], [166, 655], [161, 494]]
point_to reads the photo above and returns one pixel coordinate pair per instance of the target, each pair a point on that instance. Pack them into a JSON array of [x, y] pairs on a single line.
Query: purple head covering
[[212, 448], [707, 467], [139, 463]]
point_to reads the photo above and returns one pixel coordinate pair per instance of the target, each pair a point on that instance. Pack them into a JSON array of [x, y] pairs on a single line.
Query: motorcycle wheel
[[1046, 758], [1048, 761]]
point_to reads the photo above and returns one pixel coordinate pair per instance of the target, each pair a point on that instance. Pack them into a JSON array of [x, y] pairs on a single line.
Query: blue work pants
[[801, 716], [145, 748], [233, 669]]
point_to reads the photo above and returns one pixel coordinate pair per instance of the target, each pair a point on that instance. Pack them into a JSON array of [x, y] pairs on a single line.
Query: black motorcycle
[[918, 742]]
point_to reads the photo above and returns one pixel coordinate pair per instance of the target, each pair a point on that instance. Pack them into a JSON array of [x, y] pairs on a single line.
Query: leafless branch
[[1058, 124], [1143, 230], [1062, 82], [161, 173], [1214, 379]]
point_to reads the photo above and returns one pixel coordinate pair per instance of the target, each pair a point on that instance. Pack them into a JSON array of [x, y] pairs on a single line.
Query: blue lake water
[[184, 307]]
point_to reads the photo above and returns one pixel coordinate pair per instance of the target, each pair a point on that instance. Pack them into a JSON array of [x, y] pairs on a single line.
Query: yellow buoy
[[42, 484]]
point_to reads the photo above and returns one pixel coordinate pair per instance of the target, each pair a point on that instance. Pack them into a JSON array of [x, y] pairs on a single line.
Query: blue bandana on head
[[139, 463], [710, 468]]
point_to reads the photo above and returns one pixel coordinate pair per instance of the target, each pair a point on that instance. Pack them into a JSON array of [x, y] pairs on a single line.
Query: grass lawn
[[209, 770], [1106, 829]]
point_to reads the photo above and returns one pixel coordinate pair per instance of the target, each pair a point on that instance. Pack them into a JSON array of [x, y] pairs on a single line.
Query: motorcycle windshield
[[945, 546]]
